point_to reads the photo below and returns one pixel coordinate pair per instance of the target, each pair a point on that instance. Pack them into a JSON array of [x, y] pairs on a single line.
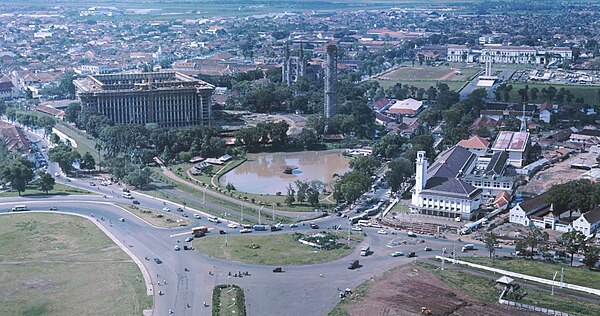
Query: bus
[[365, 251], [364, 223], [18, 208]]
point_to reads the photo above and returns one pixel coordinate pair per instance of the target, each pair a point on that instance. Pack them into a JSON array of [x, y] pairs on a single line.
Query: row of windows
[[488, 184]]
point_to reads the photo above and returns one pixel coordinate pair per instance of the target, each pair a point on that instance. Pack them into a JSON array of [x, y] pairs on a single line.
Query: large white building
[[501, 54], [440, 191]]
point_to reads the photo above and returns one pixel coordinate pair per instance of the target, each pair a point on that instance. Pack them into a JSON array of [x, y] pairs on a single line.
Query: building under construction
[[169, 99], [330, 81]]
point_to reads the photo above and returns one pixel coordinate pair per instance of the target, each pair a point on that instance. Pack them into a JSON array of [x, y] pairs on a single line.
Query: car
[[92, 184], [56, 174], [278, 270], [314, 226], [293, 225], [126, 190], [232, 225], [176, 248], [179, 209], [412, 255], [427, 249], [189, 239], [184, 215], [397, 254], [375, 225], [53, 208], [382, 232], [245, 230], [196, 216], [222, 232], [135, 202], [356, 228], [166, 209], [158, 261], [121, 219]]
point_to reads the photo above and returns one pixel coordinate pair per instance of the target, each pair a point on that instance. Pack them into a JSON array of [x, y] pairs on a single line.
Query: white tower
[[420, 177]]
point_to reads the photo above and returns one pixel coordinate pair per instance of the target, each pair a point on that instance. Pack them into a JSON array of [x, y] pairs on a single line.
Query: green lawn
[[156, 217], [59, 189], [280, 249], [589, 93], [63, 265], [579, 276], [85, 142], [228, 300], [483, 289], [425, 84]]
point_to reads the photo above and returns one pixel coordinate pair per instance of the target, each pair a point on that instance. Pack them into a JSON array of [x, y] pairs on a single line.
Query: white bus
[[363, 222], [365, 251], [18, 208]]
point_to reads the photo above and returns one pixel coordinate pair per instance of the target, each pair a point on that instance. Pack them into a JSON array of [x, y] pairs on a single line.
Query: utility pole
[[203, 197], [273, 213], [443, 258], [242, 218], [562, 274], [553, 278]]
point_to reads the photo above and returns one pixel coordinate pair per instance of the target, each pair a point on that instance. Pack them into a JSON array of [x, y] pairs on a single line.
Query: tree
[[46, 182], [139, 178], [364, 164], [289, 199], [18, 172], [389, 146], [491, 242], [592, 255], [573, 241], [47, 123], [398, 171], [72, 111], [229, 187], [301, 188], [87, 162], [535, 238], [64, 156]]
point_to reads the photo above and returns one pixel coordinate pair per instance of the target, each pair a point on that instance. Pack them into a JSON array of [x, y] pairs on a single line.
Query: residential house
[[588, 223], [476, 144], [545, 113]]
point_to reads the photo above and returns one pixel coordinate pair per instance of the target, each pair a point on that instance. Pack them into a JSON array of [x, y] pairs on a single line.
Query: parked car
[[397, 254]]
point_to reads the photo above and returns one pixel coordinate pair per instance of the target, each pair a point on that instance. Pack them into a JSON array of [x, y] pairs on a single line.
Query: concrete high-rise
[[330, 81], [169, 99]]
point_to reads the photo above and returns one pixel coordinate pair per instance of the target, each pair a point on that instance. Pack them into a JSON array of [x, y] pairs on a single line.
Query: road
[[301, 290], [504, 74]]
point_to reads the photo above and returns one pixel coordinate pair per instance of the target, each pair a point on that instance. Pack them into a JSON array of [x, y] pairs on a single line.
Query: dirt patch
[[37, 284], [558, 173], [406, 290]]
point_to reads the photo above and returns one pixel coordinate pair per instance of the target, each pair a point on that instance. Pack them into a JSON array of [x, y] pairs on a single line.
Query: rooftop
[[511, 141], [475, 142]]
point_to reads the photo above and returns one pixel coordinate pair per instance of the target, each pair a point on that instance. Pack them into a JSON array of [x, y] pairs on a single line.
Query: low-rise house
[[588, 223]]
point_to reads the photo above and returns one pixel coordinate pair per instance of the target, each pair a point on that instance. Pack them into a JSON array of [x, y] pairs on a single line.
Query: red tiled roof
[[474, 142]]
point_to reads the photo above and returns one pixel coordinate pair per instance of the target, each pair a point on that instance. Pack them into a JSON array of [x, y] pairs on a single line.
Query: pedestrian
[[158, 283], [165, 282], [321, 275]]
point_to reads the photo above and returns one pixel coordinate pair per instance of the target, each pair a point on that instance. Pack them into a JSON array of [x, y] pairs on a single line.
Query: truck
[[18, 208], [199, 231], [260, 227], [468, 247], [353, 264], [365, 251]]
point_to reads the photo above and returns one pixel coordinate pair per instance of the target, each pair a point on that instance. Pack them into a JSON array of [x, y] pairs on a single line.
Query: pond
[[264, 173]]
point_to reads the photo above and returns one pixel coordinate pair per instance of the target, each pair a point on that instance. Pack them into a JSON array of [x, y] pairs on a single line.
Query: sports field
[[53, 264], [426, 76]]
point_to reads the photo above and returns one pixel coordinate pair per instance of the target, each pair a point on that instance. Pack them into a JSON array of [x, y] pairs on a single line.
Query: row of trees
[[308, 191], [549, 93]]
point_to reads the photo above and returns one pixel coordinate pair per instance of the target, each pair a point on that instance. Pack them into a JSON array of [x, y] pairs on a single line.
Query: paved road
[[299, 291]]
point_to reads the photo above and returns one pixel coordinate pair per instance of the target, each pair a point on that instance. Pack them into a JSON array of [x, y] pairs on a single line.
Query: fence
[[524, 276]]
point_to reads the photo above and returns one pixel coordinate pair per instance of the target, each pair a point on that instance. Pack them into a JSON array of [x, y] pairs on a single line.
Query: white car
[[397, 254], [121, 219], [176, 248], [197, 216], [232, 225], [245, 230], [166, 209], [357, 228], [189, 239], [293, 225], [382, 232]]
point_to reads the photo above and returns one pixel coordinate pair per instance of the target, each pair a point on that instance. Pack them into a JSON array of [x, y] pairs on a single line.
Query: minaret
[[286, 76], [302, 62], [523, 121]]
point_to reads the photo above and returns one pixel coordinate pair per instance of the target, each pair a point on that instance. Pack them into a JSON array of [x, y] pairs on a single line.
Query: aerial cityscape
[[264, 157]]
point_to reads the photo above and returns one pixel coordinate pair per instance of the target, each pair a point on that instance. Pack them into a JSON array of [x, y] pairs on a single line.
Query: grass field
[[589, 93], [228, 300], [579, 276], [426, 76], [157, 218], [483, 289], [59, 189], [85, 142], [280, 249], [63, 265]]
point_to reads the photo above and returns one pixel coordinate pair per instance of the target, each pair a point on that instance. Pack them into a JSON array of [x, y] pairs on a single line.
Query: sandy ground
[[559, 173], [406, 290]]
